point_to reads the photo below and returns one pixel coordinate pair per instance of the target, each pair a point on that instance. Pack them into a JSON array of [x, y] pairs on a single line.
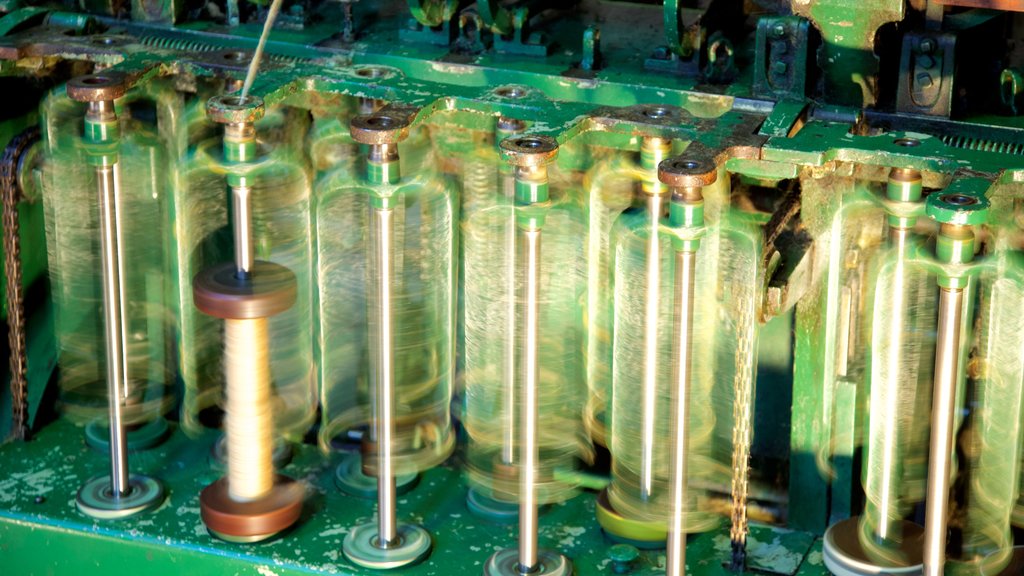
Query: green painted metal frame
[[791, 139]]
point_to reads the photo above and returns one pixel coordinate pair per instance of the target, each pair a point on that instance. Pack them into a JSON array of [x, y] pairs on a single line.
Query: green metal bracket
[[780, 57], [847, 56]]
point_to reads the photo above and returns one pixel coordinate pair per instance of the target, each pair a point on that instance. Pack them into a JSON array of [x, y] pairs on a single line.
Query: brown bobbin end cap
[[233, 109], [529, 151], [683, 172], [270, 515], [101, 87], [387, 126], [269, 290]]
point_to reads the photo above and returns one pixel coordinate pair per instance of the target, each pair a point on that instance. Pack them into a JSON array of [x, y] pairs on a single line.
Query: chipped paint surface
[[173, 539]]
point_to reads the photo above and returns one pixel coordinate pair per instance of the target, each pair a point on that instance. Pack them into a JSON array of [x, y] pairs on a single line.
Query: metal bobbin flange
[[683, 172], [528, 151], [101, 87], [254, 520], [845, 555], [387, 126], [640, 533], [233, 109], [269, 290]]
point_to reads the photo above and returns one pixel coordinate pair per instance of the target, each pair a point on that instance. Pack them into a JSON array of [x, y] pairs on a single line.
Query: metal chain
[[742, 435], [11, 196]]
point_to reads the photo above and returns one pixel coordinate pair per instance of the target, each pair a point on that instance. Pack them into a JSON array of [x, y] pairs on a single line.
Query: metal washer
[[506, 563], [360, 549], [349, 478], [96, 499], [844, 555]]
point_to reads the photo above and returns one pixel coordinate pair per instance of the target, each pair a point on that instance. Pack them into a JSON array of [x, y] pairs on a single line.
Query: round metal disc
[[845, 556], [97, 500], [269, 290], [150, 434], [506, 563], [491, 509], [253, 520], [104, 86], [281, 455], [359, 547], [1015, 567], [349, 478]]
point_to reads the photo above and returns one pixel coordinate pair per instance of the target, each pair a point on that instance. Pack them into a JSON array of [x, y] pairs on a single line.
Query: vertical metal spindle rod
[[956, 211], [655, 196], [383, 365], [528, 255], [507, 192], [685, 265], [649, 438], [108, 182], [947, 356], [686, 216]]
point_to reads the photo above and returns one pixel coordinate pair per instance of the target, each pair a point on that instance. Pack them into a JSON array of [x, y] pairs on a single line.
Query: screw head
[[683, 172], [961, 208], [779, 67], [926, 46], [101, 87], [529, 150], [232, 109], [779, 30]]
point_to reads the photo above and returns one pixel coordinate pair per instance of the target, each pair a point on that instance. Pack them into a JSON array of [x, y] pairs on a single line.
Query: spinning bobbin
[[121, 494], [251, 503], [386, 543]]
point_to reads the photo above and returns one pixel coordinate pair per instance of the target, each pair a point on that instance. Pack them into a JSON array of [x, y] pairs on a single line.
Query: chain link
[[11, 195], [742, 435]]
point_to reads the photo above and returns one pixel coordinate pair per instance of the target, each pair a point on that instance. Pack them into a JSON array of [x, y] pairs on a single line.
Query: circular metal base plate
[[1015, 567], [97, 500], [349, 478], [413, 546], [150, 434], [506, 563], [644, 535], [281, 455], [254, 520], [488, 508], [845, 555]]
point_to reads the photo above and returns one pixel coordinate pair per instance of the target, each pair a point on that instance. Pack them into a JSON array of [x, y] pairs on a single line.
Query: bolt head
[[232, 109], [779, 30], [960, 208], [102, 87], [779, 67], [387, 126], [683, 172], [529, 150], [926, 46], [623, 553]]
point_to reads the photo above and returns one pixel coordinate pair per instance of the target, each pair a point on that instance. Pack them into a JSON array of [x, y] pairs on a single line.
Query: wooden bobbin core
[[253, 520], [269, 290]]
